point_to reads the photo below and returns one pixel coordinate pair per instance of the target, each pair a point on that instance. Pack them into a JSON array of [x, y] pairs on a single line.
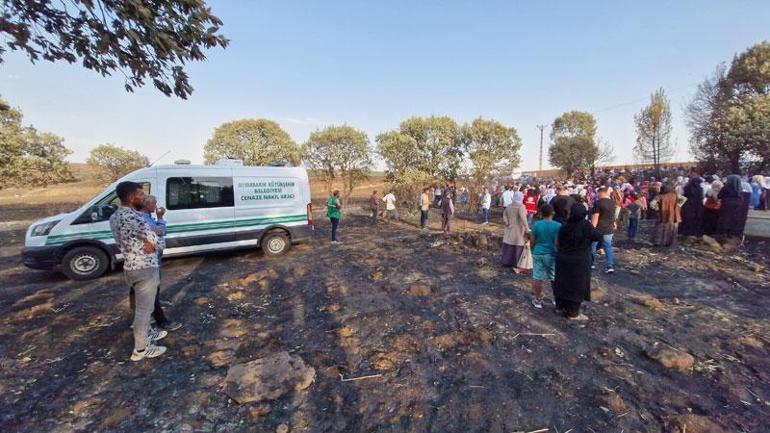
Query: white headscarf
[[716, 186]]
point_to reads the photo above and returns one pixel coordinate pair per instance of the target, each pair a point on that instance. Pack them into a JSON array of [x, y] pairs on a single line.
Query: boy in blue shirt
[[543, 237]]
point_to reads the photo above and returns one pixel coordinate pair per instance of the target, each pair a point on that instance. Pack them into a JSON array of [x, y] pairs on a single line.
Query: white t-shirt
[[486, 202], [507, 197], [390, 201]]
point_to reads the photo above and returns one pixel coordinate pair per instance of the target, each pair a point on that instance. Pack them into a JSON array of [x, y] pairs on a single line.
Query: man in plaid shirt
[[139, 245]]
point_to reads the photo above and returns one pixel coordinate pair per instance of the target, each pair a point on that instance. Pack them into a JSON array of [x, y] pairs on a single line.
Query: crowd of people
[[558, 228], [554, 228]]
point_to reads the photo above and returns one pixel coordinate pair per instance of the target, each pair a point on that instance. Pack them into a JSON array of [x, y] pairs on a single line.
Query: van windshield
[[103, 209]]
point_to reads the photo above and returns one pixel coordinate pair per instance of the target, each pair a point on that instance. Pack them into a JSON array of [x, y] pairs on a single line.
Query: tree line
[[728, 118]]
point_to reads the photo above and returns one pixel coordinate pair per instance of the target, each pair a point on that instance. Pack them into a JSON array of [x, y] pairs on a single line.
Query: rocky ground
[[393, 330]]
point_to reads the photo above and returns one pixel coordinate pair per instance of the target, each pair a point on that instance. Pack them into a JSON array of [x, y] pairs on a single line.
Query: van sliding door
[[200, 210]]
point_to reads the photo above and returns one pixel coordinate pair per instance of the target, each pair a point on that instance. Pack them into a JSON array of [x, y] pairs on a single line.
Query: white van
[[209, 207]]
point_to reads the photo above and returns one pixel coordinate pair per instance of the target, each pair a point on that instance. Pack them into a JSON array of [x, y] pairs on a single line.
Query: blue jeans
[[335, 223], [529, 219], [484, 215], [607, 246], [633, 225], [423, 218]]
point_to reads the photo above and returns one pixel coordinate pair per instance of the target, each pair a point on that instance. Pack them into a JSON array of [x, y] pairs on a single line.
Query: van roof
[[236, 170]]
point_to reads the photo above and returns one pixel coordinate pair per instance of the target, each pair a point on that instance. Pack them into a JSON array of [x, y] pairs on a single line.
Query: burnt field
[[406, 331]]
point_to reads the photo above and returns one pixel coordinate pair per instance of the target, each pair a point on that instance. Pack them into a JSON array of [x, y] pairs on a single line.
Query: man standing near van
[[139, 246], [333, 211]]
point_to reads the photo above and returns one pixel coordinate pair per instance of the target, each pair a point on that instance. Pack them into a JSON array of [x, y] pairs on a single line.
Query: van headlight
[[44, 228]]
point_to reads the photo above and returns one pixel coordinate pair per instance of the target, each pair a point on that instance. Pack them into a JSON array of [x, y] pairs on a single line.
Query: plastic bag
[[525, 261]]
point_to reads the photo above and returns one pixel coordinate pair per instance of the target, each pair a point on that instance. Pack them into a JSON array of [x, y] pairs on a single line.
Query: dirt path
[[451, 334]]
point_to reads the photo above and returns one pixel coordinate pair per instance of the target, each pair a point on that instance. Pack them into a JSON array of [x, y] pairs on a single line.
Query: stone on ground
[[670, 358], [650, 302], [220, 358], [418, 289], [267, 378]]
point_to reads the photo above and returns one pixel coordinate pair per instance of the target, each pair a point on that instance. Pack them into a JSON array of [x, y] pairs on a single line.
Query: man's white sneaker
[[537, 303], [156, 334], [151, 351], [610, 271]]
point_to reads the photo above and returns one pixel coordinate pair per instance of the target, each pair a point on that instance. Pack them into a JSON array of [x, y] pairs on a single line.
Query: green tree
[[143, 39], [339, 153], [574, 148], [28, 157], [438, 147], [729, 116], [653, 131], [113, 162], [254, 141], [493, 149], [400, 152]]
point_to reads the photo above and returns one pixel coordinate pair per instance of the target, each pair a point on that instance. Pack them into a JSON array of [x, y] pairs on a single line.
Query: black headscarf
[[577, 212], [576, 233], [732, 187]]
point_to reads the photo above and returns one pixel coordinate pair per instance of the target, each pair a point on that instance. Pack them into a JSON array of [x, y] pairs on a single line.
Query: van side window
[[104, 208], [198, 192]]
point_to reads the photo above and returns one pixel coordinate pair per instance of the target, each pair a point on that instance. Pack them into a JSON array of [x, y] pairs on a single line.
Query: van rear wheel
[[84, 263], [275, 244]]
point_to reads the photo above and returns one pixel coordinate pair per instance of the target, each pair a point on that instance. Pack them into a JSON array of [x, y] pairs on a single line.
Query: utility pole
[[540, 165]]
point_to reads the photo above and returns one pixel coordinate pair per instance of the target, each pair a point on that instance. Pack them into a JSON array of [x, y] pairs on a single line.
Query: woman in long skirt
[[516, 229], [669, 217], [692, 210], [731, 214], [572, 285]]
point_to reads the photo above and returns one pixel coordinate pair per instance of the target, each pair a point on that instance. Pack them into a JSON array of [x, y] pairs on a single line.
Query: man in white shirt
[[390, 206], [507, 196]]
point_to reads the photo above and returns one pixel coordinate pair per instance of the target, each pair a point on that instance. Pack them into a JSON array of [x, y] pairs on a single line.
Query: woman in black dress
[[692, 210], [573, 263], [731, 220]]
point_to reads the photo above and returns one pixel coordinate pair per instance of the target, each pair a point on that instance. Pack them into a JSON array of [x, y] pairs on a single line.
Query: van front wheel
[[84, 263], [275, 244]]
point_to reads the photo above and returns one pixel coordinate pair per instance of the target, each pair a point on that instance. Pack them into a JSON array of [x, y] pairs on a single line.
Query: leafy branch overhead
[[146, 40]]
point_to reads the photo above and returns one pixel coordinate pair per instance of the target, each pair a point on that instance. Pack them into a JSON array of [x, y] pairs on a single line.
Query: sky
[[370, 65]]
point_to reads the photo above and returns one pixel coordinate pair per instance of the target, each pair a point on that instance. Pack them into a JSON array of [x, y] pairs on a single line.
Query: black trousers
[[571, 308]]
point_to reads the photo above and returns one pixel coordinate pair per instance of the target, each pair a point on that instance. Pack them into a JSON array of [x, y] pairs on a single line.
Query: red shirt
[[530, 202]]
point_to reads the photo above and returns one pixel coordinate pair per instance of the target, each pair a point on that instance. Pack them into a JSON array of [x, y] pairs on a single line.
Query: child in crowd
[[543, 237], [634, 213]]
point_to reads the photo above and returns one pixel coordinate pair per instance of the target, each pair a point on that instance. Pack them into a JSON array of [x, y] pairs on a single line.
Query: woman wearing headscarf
[[516, 230], [572, 285], [692, 210], [732, 219], [711, 208], [668, 217]]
